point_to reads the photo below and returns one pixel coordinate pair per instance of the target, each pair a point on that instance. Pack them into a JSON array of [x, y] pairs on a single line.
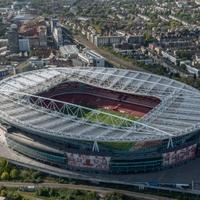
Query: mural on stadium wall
[[87, 161], [176, 157]]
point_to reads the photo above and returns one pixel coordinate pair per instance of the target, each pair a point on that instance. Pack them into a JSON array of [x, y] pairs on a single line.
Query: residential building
[[107, 40], [13, 37]]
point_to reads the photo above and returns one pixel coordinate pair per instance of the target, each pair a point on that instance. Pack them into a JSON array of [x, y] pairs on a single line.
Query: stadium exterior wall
[[78, 155]]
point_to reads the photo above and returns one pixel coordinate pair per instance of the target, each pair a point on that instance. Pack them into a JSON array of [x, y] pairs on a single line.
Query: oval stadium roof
[[177, 114]]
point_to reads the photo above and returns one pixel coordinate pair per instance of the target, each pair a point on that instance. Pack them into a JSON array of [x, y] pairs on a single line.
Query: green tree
[[5, 176], [91, 195], [35, 175], [3, 165], [148, 37], [3, 192], [24, 174], [114, 196], [43, 192], [14, 195], [14, 174]]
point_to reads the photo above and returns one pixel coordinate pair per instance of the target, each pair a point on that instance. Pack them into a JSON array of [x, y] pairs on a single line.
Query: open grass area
[[101, 117], [134, 118]]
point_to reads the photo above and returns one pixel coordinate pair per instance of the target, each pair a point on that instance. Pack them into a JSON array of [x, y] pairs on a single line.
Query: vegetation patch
[[9, 172]]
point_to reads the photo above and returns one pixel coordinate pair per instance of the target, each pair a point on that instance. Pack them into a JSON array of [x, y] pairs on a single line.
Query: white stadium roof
[[177, 114]]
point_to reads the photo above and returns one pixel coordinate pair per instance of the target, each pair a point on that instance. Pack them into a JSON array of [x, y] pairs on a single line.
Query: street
[[101, 190]]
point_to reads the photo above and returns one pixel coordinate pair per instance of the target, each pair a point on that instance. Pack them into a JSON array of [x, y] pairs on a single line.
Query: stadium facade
[[101, 120]]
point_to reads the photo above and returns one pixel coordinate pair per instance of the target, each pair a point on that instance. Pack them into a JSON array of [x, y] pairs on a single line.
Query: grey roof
[[177, 114]]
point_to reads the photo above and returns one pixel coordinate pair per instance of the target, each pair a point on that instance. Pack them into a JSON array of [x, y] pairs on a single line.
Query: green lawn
[[102, 117], [108, 120]]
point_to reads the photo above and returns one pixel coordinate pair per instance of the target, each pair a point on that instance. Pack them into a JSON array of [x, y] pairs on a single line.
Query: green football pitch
[[102, 117]]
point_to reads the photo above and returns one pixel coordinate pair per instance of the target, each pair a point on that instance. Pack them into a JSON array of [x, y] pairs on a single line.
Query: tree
[[14, 195], [43, 192], [24, 174], [148, 37], [5, 176], [114, 196], [53, 192], [35, 175], [14, 174], [3, 164], [3, 193], [91, 195]]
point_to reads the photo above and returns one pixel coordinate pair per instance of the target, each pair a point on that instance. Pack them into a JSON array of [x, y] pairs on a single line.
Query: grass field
[[102, 117], [109, 120]]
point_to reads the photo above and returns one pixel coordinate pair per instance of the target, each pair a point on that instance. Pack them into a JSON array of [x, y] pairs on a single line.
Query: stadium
[[101, 120]]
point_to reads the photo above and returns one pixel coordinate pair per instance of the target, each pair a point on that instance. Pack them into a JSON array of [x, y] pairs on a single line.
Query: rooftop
[[177, 114]]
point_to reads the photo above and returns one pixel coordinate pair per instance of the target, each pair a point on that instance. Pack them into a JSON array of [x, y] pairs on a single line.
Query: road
[[101, 190]]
